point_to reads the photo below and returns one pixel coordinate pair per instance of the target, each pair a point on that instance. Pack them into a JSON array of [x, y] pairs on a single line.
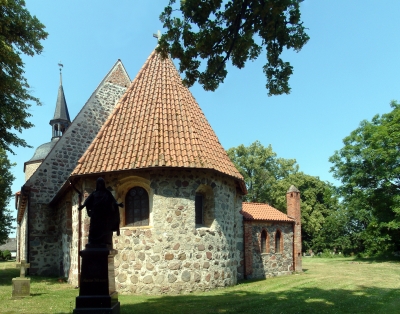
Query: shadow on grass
[[6, 276], [380, 259], [306, 300]]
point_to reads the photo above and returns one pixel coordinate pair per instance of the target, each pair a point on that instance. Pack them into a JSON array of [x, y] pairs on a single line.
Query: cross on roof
[[22, 267], [157, 35]]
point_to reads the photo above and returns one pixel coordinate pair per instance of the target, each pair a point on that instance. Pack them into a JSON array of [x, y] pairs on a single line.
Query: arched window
[[137, 207], [204, 206], [278, 242], [199, 208], [264, 242]]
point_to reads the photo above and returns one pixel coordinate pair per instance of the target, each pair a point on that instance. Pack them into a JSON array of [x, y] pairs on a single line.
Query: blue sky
[[347, 72]]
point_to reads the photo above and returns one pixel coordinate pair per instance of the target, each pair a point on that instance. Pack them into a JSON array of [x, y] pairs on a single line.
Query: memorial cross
[[22, 267]]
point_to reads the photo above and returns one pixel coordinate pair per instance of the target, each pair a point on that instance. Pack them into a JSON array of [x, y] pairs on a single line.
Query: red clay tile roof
[[261, 211], [157, 123]]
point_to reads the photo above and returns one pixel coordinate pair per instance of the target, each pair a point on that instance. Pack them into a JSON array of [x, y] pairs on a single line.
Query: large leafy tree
[[6, 179], [369, 168], [268, 178], [237, 30], [261, 169], [20, 33], [318, 202]]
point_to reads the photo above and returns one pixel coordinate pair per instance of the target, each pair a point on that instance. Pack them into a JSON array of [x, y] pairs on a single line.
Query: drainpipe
[[79, 231]]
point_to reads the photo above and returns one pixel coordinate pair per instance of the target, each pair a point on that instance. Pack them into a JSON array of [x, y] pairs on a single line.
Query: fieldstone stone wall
[[43, 242], [239, 236], [173, 255], [45, 248], [64, 228], [76, 244], [264, 265]]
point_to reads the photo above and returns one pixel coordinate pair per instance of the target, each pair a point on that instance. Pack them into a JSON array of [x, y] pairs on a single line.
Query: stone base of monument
[[97, 286], [21, 288]]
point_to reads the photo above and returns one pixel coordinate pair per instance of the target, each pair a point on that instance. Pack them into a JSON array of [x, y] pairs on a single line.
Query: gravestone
[[97, 285], [21, 286]]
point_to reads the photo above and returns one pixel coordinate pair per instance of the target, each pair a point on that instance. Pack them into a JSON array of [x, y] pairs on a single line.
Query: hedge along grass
[[331, 285]]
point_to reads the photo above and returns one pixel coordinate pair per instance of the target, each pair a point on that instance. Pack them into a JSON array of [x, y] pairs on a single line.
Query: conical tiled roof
[[157, 123]]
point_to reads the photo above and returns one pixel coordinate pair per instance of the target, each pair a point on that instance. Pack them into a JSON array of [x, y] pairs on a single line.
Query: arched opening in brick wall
[[278, 242], [264, 242]]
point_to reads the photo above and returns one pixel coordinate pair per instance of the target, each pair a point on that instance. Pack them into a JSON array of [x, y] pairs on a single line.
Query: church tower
[[61, 120], [59, 124]]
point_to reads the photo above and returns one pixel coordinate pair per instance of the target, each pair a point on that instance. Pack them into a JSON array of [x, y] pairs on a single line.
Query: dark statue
[[102, 208]]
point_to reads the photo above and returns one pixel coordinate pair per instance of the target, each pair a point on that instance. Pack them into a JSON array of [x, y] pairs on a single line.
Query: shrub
[[6, 255]]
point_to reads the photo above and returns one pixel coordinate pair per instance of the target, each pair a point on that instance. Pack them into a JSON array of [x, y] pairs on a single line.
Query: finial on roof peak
[[157, 35], [293, 189], [61, 66]]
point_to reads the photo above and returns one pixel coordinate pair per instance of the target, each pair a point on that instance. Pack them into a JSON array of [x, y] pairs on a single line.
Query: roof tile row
[[157, 123], [261, 211]]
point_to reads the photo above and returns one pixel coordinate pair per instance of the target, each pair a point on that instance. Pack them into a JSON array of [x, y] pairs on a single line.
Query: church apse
[[172, 254]]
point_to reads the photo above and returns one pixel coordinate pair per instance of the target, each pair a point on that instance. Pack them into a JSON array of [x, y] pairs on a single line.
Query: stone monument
[[97, 285], [21, 286]]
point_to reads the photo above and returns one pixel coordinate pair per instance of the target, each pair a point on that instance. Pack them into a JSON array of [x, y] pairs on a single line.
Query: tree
[[318, 202], [6, 179], [369, 168], [20, 33], [236, 31], [268, 178], [261, 170]]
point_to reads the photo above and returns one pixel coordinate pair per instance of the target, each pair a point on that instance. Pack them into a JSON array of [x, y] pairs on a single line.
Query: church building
[[183, 226]]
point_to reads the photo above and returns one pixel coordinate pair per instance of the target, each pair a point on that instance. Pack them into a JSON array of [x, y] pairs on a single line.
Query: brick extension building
[[182, 224], [272, 239]]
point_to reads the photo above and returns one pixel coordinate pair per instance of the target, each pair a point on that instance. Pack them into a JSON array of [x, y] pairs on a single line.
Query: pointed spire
[[61, 112], [61, 119]]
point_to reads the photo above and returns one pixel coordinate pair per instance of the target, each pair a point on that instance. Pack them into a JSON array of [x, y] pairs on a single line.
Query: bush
[[6, 255]]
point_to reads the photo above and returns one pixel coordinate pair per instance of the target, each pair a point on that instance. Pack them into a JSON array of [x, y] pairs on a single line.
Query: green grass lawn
[[331, 285]]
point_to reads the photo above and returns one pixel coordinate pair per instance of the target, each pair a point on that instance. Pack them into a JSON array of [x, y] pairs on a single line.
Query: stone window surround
[[123, 188]]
